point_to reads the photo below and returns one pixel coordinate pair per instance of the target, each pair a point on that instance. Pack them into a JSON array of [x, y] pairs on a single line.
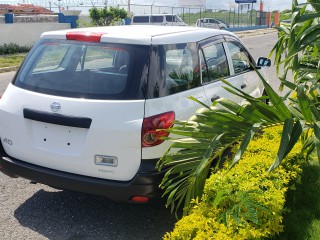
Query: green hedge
[[13, 48], [247, 202]]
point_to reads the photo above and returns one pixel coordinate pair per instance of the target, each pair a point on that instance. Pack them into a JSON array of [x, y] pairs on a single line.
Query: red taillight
[[84, 36], [139, 199], [150, 135]]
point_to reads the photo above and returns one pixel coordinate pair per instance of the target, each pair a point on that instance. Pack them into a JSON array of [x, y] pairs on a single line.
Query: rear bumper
[[145, 183]]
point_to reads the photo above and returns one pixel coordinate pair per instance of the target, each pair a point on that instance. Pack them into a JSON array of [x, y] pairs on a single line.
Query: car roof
[[143, 34]]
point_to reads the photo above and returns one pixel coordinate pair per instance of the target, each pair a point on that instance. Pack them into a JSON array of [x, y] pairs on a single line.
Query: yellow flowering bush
[[248, 201]]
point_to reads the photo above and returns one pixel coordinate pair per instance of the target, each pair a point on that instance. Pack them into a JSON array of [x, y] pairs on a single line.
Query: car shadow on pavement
[[70, 215]]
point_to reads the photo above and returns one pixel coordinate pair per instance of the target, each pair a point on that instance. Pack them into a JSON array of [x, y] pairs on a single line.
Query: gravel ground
[[32, 212]]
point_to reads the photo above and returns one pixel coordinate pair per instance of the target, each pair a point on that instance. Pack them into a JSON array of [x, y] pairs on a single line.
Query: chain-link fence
[[238, 16], [233, 17]]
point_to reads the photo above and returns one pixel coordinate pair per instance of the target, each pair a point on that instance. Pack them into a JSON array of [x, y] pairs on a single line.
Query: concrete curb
[[250, 33], [8, 69]]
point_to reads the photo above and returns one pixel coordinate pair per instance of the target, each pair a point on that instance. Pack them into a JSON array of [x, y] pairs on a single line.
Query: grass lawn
[[11, 60], [302, 221]]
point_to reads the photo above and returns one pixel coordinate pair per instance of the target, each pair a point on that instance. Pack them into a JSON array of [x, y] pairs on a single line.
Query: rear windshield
[[85, 70]]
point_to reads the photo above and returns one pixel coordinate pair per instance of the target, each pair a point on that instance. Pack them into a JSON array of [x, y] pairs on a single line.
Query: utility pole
[[261, 11]]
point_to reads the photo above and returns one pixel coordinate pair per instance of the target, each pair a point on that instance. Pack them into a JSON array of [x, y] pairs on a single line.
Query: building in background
[[24, 9]]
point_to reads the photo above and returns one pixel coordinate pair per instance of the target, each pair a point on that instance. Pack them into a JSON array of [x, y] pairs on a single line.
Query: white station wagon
[[83, 110]]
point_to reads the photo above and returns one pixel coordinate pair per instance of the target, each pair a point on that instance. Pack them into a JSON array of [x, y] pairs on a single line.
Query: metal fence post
[[183, 13], [234, 17], [238, 15], [244, 18]]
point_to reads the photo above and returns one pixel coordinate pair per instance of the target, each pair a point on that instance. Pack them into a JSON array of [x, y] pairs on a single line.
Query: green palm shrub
[[248, 201], [206, 138], [298, 44]]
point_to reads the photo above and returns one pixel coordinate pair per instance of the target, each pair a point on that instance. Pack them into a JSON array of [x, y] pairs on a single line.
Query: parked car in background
[[224, 22], [158, 19], [211, 23], [84, 109]]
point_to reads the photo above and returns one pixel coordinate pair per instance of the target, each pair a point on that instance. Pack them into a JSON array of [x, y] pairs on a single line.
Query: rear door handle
[[215, 97], [243, 86], [58, 119]]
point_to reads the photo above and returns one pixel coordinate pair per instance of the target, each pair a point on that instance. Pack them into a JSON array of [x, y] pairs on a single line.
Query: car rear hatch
[[78, 106]]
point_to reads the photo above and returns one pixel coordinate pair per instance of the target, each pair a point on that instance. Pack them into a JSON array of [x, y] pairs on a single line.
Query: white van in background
[[158, 19]]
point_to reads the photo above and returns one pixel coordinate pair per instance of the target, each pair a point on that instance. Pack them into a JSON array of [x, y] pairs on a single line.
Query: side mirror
[[263, 62]]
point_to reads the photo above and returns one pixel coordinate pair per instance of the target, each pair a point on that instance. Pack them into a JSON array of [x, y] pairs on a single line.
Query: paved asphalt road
[[35, 212]]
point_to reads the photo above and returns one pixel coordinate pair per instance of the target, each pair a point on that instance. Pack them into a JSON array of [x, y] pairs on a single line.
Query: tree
[[207, 136], [106, 16]]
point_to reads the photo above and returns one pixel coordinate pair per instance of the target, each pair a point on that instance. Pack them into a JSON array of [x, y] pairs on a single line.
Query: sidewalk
[[250, 33]]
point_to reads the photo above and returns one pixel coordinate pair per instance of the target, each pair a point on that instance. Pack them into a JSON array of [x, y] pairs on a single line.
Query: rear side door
[[171, 85], [231, 61], [243, 75], [214, 67]]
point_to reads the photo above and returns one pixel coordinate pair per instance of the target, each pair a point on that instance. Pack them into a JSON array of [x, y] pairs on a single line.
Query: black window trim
[[229, 38], [212, 41], [251, 59]]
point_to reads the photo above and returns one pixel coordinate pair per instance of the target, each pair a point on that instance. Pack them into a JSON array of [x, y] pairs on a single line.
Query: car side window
[[140, 19], [216, 63], [156, 19], [180, 74], [171, 18], [240, 57]]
